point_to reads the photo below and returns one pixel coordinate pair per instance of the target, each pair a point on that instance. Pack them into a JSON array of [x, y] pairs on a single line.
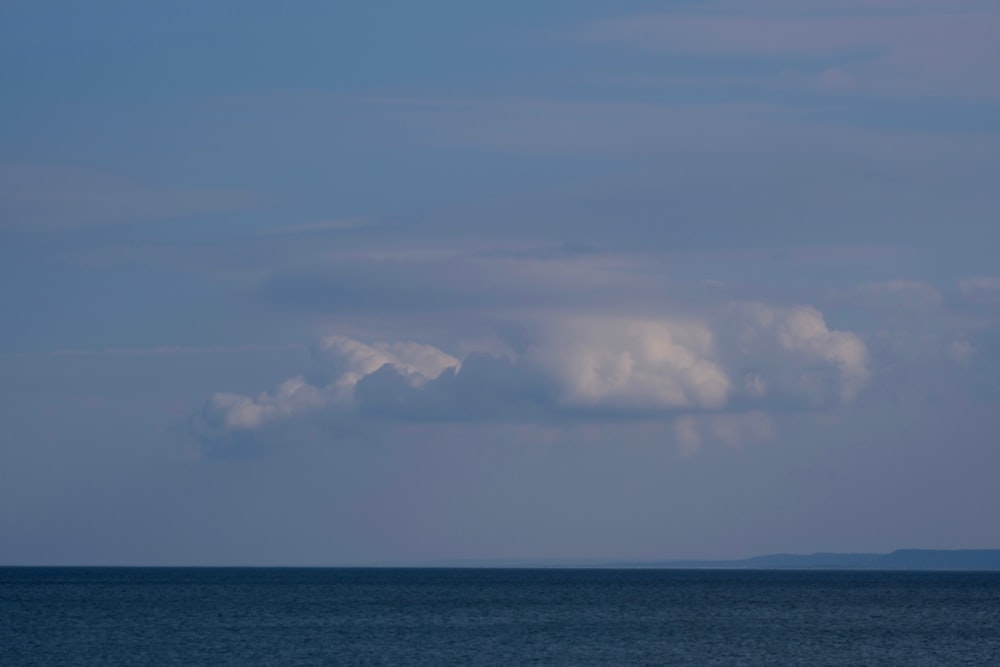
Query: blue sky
[[330, 283]]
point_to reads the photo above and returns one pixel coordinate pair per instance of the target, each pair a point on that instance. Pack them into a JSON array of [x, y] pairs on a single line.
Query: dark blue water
[[54, 616]]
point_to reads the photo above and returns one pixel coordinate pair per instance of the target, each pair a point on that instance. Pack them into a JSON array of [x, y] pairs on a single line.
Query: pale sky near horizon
[[322, 283]]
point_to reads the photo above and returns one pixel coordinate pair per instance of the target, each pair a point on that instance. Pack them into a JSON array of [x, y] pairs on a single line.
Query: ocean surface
[[162, 616]]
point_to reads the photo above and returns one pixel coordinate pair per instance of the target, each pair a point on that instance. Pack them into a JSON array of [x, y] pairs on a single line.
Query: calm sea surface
[[112, 616]]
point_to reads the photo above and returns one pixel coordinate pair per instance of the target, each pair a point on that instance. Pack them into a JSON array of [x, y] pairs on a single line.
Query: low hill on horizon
[[900, 559]]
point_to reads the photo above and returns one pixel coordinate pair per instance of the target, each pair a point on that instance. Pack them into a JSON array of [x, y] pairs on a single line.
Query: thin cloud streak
[[923, 53]]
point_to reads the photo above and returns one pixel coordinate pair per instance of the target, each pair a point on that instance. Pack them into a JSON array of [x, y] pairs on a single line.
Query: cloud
[[804, 330], [293, 397], [632, 364], [352, 361], [920, 328], [346, 363], [539, 125], [961, 351], [791, 352], [777, 165], [317, 228], [981, 290], [455, 279], [691, 432], [930, 49], [742, 360], [907, 295]]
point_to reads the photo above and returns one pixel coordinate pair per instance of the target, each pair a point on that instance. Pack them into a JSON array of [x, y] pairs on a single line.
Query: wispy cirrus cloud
[[878, 48], [981, 290], [909, 295]]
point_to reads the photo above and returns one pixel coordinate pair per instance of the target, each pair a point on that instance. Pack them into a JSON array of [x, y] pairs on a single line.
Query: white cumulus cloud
[[354, 360], [666, 364], [796, 352], [715, 375], [292, 397], [350, 360]]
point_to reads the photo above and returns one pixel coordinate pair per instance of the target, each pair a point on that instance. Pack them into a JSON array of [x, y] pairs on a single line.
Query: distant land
[[901, 559]]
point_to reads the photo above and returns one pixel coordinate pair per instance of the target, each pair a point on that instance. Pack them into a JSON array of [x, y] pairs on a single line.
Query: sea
[[349, 616]]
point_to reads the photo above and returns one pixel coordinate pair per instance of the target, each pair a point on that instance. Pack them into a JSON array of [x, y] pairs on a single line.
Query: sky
[[366, 283]]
